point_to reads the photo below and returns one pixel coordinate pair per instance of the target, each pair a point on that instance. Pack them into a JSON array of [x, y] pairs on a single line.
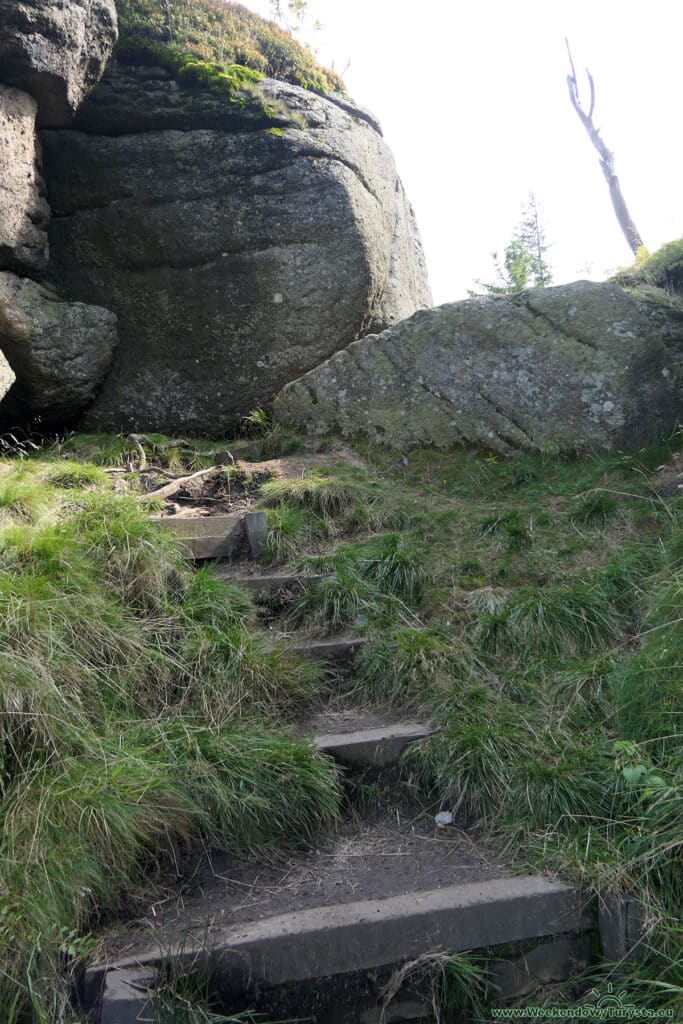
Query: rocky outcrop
[[51, 54], [60, 351], [581, 366], [7, 377], [55, 51], [23, 208], [237, 256]]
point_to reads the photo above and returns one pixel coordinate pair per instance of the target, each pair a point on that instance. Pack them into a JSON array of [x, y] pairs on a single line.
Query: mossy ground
[[530, 605]]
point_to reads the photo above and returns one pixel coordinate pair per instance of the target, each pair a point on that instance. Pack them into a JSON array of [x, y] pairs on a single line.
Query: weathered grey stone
[[273, 587], [23, 208], [59, 350], [550, 961], [581, 366], [337, 649], [7, 377], [55, 50], [235, 257]]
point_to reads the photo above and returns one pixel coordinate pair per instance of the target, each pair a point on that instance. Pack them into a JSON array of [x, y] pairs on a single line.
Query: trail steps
[[363, 899]]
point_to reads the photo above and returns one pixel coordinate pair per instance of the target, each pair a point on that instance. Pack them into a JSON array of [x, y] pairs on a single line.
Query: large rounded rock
[[60, 351], [55, 50], [238, 248], [581, 366], [23, 209]]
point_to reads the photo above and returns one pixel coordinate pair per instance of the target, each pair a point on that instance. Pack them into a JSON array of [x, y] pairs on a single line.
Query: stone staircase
[[318, 935]]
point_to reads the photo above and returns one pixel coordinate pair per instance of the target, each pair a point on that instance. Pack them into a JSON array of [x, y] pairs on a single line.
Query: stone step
[[376, 747], [337, 649], [322, 941], [270, 588], [204, 537]]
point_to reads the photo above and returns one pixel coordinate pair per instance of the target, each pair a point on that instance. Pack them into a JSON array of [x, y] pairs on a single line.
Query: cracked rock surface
[[577, 367], [237, 253]]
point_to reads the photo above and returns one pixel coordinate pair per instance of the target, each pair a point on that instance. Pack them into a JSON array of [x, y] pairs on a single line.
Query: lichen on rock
[[578, 367]]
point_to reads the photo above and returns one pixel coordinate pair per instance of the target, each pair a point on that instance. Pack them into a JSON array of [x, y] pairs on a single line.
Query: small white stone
[[278, 298]]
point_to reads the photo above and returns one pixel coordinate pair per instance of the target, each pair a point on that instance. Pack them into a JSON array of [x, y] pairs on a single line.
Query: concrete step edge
[[378, 746], [331, 648], [336, 939]]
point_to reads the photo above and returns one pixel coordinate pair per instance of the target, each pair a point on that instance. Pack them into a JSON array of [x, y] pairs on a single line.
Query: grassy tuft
[[75, 475], [327, 496], [22, 496], [594, 509], [289, 529], [395, 569]]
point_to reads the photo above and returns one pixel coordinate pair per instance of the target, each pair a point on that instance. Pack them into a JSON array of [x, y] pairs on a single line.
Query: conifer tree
[[524, 263]]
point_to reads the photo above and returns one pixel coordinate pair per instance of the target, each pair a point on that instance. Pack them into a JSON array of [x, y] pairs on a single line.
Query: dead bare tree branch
[[631, 233], [176, 485]]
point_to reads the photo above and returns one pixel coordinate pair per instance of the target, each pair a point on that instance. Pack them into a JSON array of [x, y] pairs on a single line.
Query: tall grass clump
[[594, 509], [395, 569], [327, 495], [139, 713], [648, 687], [289, 529]]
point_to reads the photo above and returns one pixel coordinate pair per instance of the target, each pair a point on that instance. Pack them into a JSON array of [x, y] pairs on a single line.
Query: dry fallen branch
[[176, 485], [164, 446]]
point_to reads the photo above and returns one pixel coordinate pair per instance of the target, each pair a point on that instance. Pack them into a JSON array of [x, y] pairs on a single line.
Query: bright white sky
[[473, 101]]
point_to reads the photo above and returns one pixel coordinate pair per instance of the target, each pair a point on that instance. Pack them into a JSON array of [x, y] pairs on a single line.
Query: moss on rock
[[213, 37]]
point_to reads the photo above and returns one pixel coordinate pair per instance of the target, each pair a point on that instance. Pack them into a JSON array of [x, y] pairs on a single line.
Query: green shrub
[[664, 268]]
